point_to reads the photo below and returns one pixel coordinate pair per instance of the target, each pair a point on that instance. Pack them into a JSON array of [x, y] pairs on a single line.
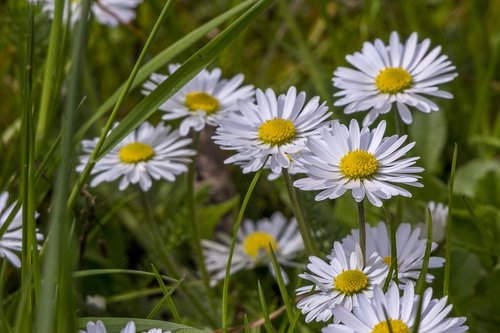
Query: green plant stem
[[304, 229], [400, 126], [93, 156], [225, 290], [447, 267], [362, 228], [393, 268]]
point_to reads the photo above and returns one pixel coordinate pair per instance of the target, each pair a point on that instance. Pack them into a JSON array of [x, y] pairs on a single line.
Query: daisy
[[147, 153], [204, 100], [410, 249], [362, 161], [253, 246], [98, 327], [394, 74], [274, 127], [439, 214], [370, 317], [12, 239], [106, 12], [345, 280]]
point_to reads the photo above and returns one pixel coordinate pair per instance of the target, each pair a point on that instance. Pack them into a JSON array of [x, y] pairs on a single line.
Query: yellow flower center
[[351, 282], [136, 152], [388, 260], [198, 100], [258, 241], [358, 164], [397, 326], [277, 132], [393, 80]]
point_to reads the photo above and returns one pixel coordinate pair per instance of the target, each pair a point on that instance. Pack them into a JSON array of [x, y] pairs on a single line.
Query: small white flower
[[363, 161], [439, 214], [96, 301], [204, 100], [106, 12], [343, 281], [253, 245], [12, 239], [274, 127], [147, 153], [394, 74], [369, 316], [410, 249], [99, 327]]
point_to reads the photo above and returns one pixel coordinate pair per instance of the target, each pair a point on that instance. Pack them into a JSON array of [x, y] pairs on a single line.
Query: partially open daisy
[[439, 214], [106, 12], [394, 74], [369, 316], [274, 127], [98, 327], [12, 239], [362, 161], [253, 246], [410, 249], [145, 154], [343, 281], [204, 100]]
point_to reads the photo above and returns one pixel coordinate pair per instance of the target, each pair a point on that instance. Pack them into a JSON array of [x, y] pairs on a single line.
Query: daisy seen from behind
[[344, 280], [12, 239], [146, 154], [401, 74], [369, 316], [98, 327], [410, 249], [273, 127], [203, 100], [253, 246], [362, 161]]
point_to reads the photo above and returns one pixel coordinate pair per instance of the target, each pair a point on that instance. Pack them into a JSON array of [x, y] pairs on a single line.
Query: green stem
[[362, 227], [447, 267], [225, 290], [400, 126], [298, 212]]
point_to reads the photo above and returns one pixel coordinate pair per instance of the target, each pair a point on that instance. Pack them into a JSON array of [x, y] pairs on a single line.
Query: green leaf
[[469, 174], [114, 325], [210, 216]]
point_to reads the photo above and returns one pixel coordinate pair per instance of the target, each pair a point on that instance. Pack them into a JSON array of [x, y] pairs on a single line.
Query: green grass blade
[[94, 272], [447, 267], [166, 298], [263, 307], [281, 284], [293, 322], [480, 225]]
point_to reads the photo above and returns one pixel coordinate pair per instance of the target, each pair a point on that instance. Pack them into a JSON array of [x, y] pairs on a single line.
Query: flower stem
[[400, 126], [225, 290], [362, 228], [298, 212]]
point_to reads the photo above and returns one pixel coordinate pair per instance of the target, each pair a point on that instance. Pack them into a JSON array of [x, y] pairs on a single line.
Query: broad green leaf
[[210, 216], [469, 174]]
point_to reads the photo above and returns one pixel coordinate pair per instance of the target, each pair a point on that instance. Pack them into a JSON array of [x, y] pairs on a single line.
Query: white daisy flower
[[275, 127], [439, 214], [204, 100], [106, 12], [343, 281], [98, 327], [147, 153], [253, 246], [410, 249], [394, 74], [12, 239], [362, 161], [370, 317]]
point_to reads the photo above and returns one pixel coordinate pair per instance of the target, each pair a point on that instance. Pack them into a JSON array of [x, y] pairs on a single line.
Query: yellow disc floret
[[136, 152], [397, 326], [351, 282], [393, 80], [198, 100], [277, 132], [358, 164], [258, 241]]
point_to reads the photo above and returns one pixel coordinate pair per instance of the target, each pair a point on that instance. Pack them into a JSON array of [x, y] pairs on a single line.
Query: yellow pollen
[[388, 260], [258, 241], [136, 152], [358, 164], [393, 80], [351, 282], [397, 326], [277, 132], [198, 100]]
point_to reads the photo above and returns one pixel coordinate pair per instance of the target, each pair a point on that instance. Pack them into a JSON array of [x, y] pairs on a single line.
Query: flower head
[[400, 74], [343, 281], [254, 244], [12, 239], [204, 100], [370, 315], [272, 129], [439, 214], [98, 327], [362, 161], [147, 153]]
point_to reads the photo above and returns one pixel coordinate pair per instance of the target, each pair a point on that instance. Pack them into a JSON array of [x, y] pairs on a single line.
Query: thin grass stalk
[[94, 272], [93, 156], [304, 228], [447, 267], [225, 290], [282, 286], [393, 268], [293, 323], [3, 321], [57, 266], [263, 307], [400, 126], [362, 228], [166, 298]]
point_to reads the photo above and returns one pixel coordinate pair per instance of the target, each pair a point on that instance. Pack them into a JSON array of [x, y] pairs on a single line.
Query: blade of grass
[[263, 307], [480, 225], [447, 267], [93, 272], [167, 292], [293, 322], [245, 324], [393, 268], [281, 284]]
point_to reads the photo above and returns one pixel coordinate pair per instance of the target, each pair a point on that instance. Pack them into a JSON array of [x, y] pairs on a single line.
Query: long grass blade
[[447, 267], [263, 307], [281, 285], [167, 293]]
